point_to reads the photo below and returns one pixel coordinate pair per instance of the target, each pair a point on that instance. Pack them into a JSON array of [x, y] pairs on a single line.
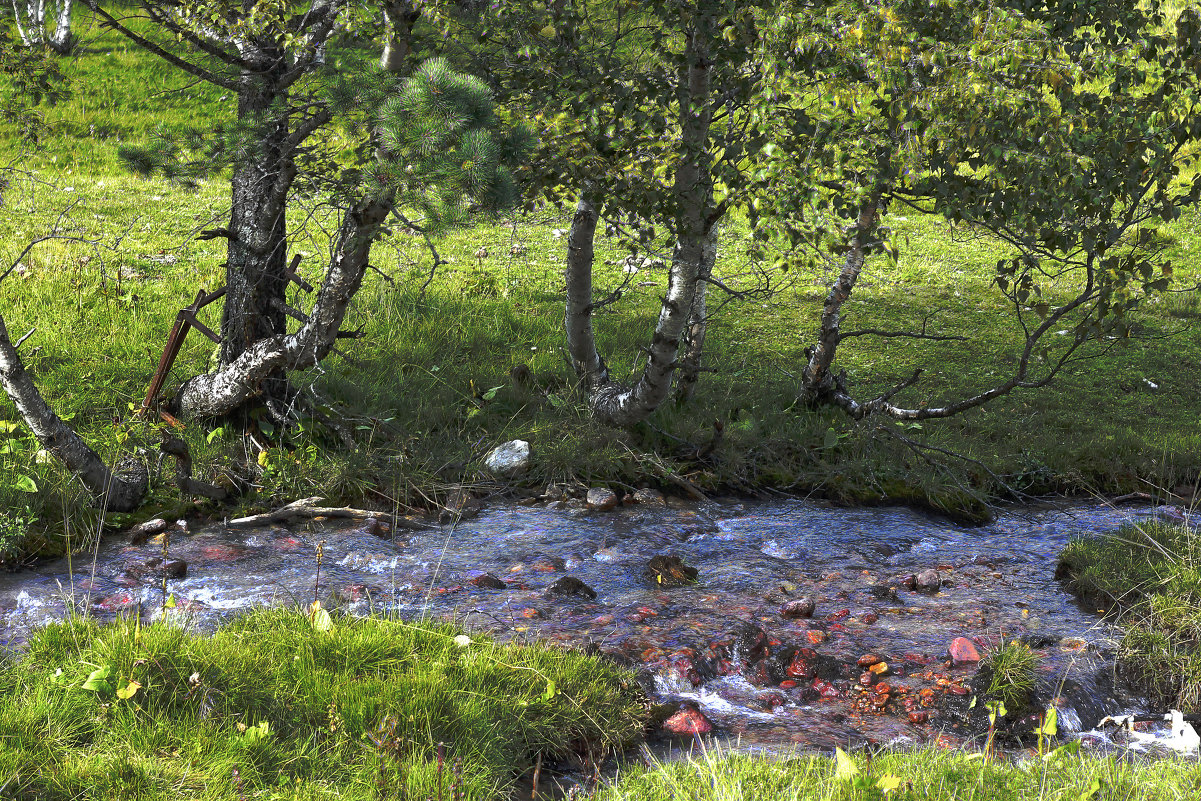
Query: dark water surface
[[721, 644]]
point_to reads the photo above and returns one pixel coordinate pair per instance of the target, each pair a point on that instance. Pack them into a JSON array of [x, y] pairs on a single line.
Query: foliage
[[1148, 574], [268, 704], [1010, 668]]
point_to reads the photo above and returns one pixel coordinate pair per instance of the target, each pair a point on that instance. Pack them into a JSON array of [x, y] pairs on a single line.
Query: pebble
[[601, 500], [800, 608], [489, 582], [927, 581], [649, 496], [669, 570], [688, 721], [963, 651]]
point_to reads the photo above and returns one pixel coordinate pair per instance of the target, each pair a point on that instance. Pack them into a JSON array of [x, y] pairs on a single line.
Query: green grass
[[929, 773], [415, 389], [1150, 576], [1010, 670], [269, 706]]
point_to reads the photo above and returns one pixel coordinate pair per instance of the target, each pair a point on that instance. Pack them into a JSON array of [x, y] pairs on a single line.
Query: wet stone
[[927, 581], [489, 582], [600, 499], [686, 722], [798, 609], [649, 496], [669, 570], [963, 651], [885, 592], [570, 587], [867, 660], [144, 531]]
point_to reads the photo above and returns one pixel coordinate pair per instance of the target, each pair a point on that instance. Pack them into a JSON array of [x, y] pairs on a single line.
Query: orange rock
[[816, 637], [963, 651]]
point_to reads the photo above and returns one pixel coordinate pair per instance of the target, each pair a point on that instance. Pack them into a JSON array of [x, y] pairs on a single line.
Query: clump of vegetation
[[1009, 670], [1147, 575], [277, 705]]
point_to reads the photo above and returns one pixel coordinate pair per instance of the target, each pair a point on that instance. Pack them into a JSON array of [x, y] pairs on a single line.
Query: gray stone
[[927, 581], [601, 499], [648, 495], [509, 459]]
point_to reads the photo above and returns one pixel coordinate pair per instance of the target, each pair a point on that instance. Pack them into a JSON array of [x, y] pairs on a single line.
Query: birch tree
[[32, 17]]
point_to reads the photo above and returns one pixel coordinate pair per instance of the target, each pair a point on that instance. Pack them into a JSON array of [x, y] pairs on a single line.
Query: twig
[[306, 508]]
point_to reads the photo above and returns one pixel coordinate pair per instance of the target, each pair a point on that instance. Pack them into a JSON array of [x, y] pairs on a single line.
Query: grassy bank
[[926, 774], [272, 706], [1149, 576], [431, 386]]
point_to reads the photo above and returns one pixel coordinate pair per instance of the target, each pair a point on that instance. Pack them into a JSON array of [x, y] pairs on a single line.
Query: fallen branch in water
[[306, 509]]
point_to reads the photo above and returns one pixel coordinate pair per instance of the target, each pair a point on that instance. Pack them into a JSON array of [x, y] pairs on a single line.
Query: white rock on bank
[[508, 459]]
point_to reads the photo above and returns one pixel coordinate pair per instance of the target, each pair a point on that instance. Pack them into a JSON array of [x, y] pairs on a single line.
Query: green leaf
[[97, 680], [1091, 791], [491, 394], [844, 766], [552, 689], [127, 692], [320, 618], [831, 439], [25, 483], [887, 783], [170, 602], [1050, 725]]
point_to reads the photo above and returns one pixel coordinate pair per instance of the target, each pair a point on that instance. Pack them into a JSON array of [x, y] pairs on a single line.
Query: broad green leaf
[[170, 602], [127, 692], [831, 439], [25, 483], [552, 689], [1050, 725], [97, 680]]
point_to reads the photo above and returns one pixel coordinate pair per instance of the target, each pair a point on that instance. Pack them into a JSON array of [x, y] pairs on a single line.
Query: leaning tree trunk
[[698, 324], [121, 490], [610, 402], [242, 380]]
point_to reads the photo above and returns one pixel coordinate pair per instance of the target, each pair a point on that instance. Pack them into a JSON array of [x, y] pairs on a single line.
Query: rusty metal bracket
[[184, 320]]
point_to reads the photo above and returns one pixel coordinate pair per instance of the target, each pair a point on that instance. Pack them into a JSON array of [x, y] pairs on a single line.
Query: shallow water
[[721, 644]]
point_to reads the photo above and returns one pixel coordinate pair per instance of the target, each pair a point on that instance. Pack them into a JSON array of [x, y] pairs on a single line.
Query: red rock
[[801, 665], [963, 651], [867, 660], [825, 689], [867, 678], [839, 615], [787, 684], [919, 716], [686, 722], [870, 617], [816, 637], [530, 612]]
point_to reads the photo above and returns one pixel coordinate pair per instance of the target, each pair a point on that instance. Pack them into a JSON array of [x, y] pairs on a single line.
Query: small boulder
[[144, 531], [601, 500], [669, 570], [688, 721], [570, 586], [509, 459], [798, 609], [963, 651], [489, 582], [927, 581], [649, 496]]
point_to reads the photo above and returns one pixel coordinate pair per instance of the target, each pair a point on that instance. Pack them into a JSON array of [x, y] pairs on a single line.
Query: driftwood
[[307, 509]]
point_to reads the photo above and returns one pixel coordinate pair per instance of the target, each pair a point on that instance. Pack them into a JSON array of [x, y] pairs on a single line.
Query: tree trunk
[[819, 384], [62, 42], [399, 18], [693, 191], [698, 324], [121, 490], [257, 257], [242, 379], [581, 341]]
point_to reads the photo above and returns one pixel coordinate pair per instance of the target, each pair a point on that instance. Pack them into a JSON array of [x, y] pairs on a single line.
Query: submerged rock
[[144, 531], [509, 459], [800, 608], [669, 570], [489, 582], [927, 581], [570, 586], [689, 720], [963, 651]]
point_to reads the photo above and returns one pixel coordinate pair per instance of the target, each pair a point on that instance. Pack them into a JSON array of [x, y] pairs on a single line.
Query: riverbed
[[734, 650]]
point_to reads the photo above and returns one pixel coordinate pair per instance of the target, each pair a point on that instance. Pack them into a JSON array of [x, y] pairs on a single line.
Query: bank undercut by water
[[1148, 575]]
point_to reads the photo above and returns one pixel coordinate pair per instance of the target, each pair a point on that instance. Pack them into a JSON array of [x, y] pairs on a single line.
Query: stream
[[722, 649]]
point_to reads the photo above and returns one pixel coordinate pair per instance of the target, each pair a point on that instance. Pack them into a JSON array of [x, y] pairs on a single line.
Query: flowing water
[[720, 646]]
